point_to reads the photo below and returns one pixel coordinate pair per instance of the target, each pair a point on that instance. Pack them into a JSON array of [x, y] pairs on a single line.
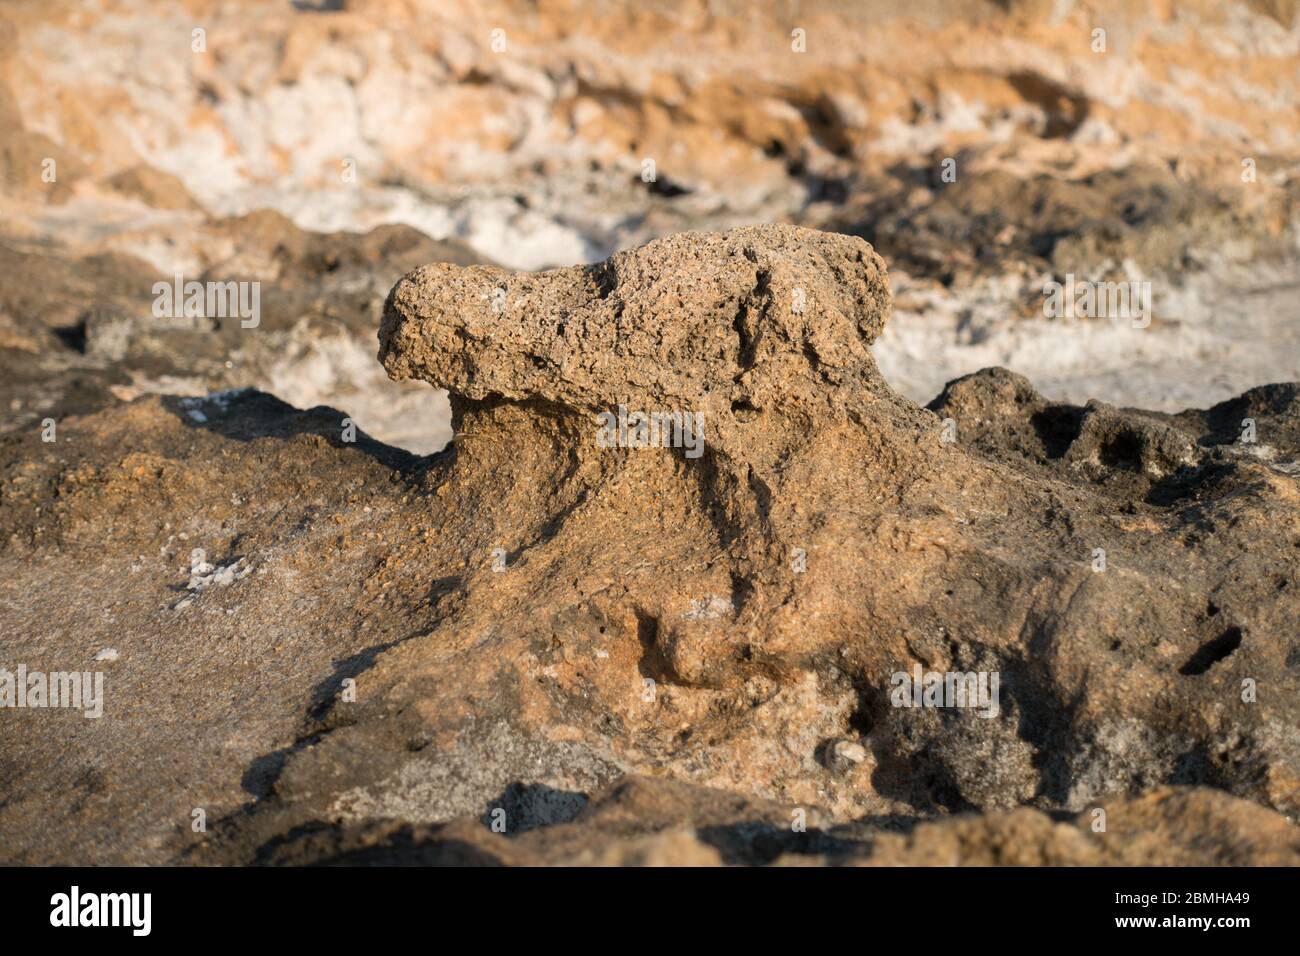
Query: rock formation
[[698, 564], [570, 637]]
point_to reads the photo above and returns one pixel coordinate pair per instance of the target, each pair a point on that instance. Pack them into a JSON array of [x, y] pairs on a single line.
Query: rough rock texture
[[536, 624], [501, 605], [766, 318], [1117, 679], [644, 822]]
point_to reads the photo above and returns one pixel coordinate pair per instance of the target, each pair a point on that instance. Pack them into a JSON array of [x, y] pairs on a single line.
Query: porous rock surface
[[728, 325], [640, 657]]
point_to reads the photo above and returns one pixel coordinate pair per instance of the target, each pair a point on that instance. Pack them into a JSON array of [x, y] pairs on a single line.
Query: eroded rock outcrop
[[770, 319], [1126, 573], [532, 616]]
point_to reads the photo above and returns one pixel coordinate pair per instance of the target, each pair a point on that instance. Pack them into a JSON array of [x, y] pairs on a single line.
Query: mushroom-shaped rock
[[763, 318]]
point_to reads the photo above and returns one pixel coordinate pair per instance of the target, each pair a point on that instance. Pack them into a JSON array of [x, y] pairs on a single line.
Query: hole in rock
[[1123, 451], [1057, 429], [1211, 652], [73, 336]]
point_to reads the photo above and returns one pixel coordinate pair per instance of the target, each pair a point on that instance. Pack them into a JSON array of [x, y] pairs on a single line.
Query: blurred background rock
[[266, 140]]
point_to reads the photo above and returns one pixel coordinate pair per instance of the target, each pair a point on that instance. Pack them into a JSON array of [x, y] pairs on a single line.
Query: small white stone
[[846, 753]]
